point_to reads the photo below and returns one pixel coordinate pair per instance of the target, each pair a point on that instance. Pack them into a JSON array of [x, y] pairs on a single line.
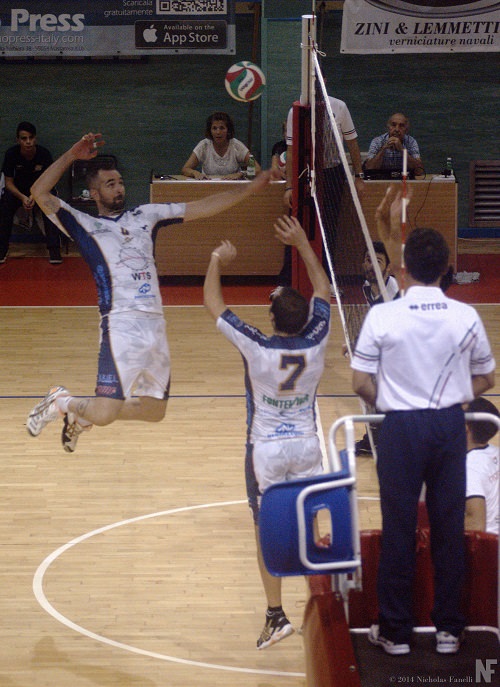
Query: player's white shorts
[[269, 462], [282, 461], [134, 357]]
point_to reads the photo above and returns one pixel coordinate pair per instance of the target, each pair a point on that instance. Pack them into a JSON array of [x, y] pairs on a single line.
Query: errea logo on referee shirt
[[429, 306]]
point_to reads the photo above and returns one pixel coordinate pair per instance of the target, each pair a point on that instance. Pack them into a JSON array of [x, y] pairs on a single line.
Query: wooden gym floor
[[131, 562]]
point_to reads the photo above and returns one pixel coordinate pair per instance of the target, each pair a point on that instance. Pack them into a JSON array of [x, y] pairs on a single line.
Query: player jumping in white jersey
[[282, 373], [134, 361]]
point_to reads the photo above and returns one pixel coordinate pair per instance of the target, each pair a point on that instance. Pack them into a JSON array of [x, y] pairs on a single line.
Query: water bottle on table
[[251, 170]]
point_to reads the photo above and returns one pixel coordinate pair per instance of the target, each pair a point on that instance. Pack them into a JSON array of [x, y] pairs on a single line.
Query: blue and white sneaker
[[45, 411]]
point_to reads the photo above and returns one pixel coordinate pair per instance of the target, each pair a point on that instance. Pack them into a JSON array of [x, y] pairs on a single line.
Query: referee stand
[[342, 581]]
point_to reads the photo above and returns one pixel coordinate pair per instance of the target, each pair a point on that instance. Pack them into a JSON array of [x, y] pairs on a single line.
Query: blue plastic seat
[[286, 525]]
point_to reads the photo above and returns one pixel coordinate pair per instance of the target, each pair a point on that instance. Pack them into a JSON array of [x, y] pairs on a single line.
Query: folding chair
[[288, 512], [287, 525]]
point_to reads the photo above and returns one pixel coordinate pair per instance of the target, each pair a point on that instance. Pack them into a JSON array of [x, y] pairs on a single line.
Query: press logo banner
[[110, 28], [406, 26]]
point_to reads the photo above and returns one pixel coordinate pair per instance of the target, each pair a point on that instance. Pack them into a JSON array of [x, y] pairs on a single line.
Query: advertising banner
[[406, 26], [110, 28]]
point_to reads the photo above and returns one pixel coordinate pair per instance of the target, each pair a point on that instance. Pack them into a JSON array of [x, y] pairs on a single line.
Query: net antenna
[[404, 204]]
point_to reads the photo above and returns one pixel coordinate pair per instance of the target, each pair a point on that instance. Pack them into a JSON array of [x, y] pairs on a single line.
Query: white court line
[[47, 606]]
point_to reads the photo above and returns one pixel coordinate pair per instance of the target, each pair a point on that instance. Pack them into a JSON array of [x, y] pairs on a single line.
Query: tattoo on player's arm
[[82, 406]]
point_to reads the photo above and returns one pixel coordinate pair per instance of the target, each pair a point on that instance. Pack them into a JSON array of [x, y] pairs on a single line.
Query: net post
[[302, 205]]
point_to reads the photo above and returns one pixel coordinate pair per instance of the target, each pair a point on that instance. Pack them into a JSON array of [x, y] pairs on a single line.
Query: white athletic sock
[[62, 403]]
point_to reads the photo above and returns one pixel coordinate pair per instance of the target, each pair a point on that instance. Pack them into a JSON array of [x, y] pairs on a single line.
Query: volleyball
[[245, 81]]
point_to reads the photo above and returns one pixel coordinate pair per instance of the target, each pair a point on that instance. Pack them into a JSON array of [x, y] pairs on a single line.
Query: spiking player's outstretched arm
[[218, 202], [85, 148]]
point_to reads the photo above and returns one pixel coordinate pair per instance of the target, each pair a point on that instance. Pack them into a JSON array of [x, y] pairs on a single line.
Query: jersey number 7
[[298, 365]]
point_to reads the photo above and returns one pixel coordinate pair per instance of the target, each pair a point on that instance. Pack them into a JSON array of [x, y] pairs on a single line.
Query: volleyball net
[[328, 205]]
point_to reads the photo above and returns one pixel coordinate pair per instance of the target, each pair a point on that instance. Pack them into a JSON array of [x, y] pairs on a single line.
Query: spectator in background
[[371, 290], [344, 121], [220, 155], [481, 505], [22, 165], [330, 179], [386, 151]]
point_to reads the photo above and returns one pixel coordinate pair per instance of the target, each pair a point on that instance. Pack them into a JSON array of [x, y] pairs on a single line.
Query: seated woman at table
[[219, 154]]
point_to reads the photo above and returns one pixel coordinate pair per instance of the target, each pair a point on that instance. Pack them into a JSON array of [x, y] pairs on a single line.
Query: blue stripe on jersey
[[250, 332], [365, 356], [249, 398], [314, 332], [163, 223], [92, 255]]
